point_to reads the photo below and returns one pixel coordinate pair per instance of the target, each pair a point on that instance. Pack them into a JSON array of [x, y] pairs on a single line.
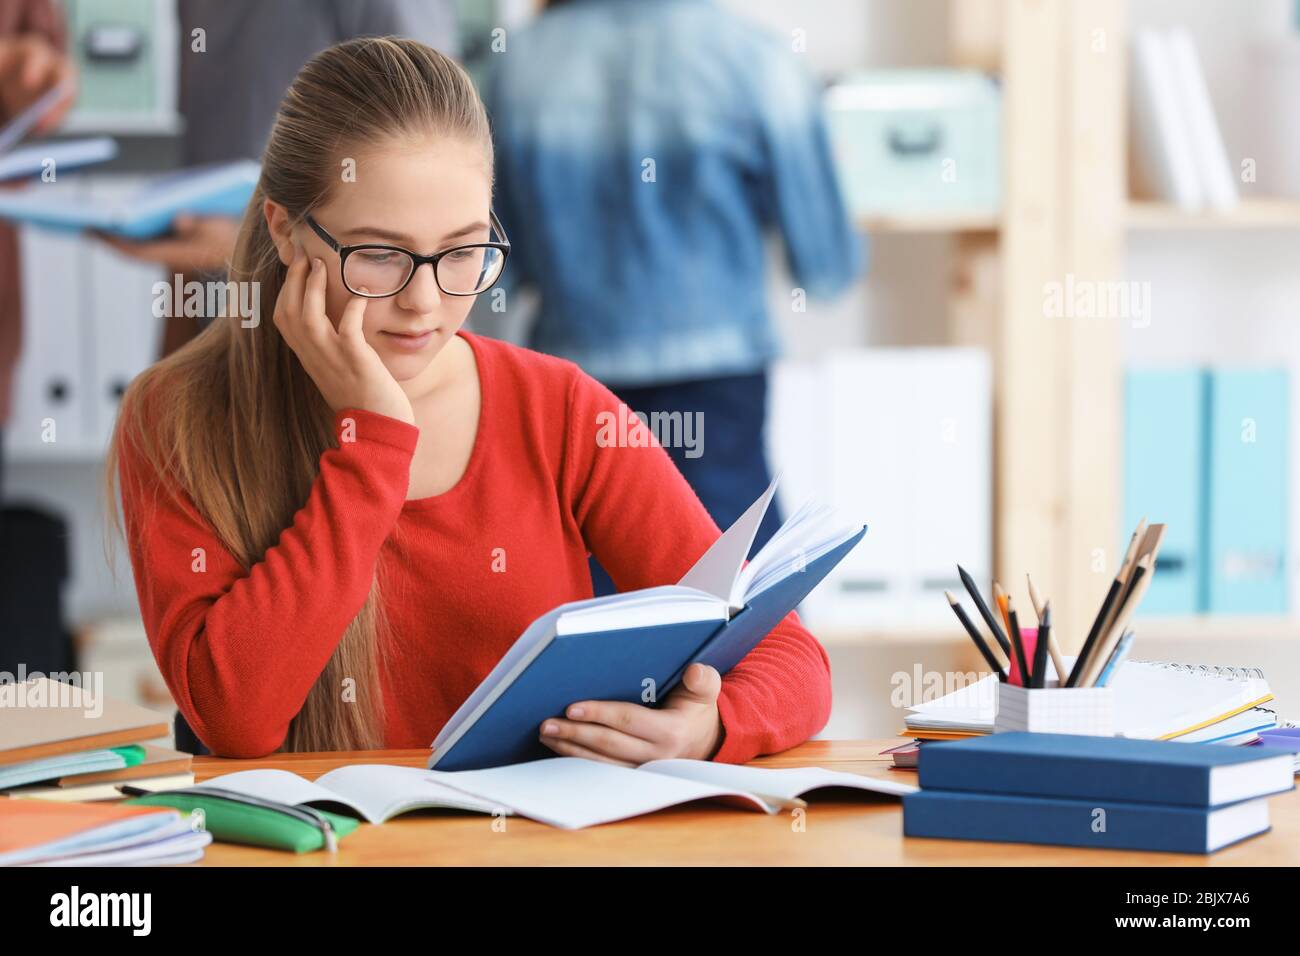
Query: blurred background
[[1063, 318]]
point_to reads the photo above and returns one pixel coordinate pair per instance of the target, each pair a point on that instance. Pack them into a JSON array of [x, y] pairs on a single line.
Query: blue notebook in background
[[1112, 825], [635, 646], [1249, 463], [1105, 768], [56, 156], [221, 190], [1164, 460]]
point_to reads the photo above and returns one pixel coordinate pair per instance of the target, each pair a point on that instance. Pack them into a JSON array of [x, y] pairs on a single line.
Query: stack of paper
[[45, 833], [60, 741]]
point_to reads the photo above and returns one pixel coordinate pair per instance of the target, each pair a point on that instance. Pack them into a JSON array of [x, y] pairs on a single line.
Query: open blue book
[[55, 155], [222, 190], [635, 646]]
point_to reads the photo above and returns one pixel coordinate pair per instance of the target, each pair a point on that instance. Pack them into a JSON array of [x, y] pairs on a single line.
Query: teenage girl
[[341, 518]]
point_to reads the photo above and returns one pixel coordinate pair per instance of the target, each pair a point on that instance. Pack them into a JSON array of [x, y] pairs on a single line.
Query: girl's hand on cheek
[[688, 725], [348, 372]]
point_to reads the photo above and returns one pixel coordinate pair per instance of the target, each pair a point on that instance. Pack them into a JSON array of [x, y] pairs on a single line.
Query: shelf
[[1149, 216], [1197, 627], [1218, 627], [71, 454], [83, 123], [904, 223]]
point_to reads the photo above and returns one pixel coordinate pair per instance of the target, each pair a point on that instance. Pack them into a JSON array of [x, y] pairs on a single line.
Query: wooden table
[[835, 831]]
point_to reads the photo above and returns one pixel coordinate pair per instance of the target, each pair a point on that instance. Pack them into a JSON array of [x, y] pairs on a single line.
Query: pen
[[1117, 658]]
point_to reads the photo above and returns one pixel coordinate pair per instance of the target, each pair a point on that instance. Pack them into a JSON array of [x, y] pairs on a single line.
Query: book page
[[572, 793], [282, 787], [718, 568], [812, 532], [786, 783], [649, 607], [384, 790]]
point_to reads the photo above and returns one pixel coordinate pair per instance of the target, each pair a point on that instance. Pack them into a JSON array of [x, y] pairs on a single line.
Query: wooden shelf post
[[1057, 399]]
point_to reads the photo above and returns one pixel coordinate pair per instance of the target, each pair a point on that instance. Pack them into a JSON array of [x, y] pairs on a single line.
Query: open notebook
[[635, 646], [567, 792]]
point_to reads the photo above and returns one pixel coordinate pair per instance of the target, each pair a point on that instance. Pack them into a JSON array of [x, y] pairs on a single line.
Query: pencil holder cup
[[1056, 710]]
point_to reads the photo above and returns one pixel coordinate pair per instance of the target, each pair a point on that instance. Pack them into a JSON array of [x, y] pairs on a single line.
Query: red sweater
[[241, 647]]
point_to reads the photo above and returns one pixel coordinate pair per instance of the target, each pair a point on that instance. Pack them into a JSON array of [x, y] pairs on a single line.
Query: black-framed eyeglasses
[[382, 270]]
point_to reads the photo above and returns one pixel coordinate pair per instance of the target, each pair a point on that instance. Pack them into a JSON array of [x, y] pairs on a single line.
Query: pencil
[[1137, 546], [1019, 645], [1053, 645], [1142, 551], [984, 611], [1102, 614], [1034, 599], [1141, 581], [1149, 546], [975, 636], [1040, 649], [1099, 624], [1000, 599]]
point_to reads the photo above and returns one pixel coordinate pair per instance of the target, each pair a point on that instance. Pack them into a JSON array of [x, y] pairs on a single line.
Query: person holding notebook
[[340, 518], [667, 140], [32, 63]]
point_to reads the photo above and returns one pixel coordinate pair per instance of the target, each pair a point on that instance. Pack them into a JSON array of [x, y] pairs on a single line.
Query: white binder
[[900, 440], [949, 401], [49, 399], [124, 333]]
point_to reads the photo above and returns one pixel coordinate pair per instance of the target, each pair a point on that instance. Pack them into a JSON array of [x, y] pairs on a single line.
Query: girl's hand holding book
[[687, 725], [346, 369]]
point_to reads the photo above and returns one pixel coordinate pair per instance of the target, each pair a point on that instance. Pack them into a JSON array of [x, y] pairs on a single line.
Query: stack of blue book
[[1113, 792]]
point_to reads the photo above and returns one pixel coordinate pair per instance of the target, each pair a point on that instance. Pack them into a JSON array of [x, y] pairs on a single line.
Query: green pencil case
[[238, 818]]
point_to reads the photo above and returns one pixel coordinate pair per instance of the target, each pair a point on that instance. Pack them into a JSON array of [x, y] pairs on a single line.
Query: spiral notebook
[[1154, 700], [1159, 700]]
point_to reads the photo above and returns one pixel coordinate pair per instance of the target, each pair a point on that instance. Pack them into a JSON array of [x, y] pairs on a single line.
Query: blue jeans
[[732, 470]]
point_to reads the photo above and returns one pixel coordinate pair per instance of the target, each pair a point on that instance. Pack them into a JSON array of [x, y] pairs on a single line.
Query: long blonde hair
[[232, 417]]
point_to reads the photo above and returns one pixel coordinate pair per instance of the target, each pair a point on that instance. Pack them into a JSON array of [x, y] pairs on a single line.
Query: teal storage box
[[1164, 481], [126, 56], [1247, 529], [917, 141]]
